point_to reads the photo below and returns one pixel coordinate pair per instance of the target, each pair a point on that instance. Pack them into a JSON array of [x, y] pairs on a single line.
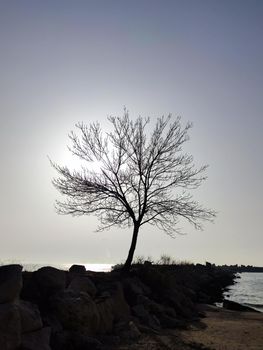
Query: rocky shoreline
[[52, 309]]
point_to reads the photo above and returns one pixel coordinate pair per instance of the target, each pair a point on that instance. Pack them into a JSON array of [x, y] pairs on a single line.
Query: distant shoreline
[[240, 269]]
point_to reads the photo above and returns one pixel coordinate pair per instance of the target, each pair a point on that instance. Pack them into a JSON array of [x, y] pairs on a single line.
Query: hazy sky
[[67, 61]]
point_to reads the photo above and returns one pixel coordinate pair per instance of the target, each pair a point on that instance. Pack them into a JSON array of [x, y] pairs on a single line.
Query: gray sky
[[66, 61]]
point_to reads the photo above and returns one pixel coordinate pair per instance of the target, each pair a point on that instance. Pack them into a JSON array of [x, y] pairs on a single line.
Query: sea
[[248, 290]]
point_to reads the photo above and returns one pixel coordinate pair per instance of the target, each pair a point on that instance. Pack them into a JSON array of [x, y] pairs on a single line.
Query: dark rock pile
[[78, 309], [21, 325]]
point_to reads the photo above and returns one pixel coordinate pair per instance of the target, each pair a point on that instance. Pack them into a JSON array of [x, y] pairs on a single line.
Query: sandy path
[[228, 330], [221, 329]]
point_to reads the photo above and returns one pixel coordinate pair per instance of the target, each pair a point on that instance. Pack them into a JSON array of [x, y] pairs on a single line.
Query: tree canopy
[[141, 176]]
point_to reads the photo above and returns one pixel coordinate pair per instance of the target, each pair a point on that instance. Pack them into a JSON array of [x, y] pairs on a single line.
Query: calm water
[[248, 290]]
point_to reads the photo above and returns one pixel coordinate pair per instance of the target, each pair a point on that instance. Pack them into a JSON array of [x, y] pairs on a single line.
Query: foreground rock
[[21, 325], [10, 327], [74, 340], [37, 340], [83, 284], [75, 311], [10, 283], [30, 317]]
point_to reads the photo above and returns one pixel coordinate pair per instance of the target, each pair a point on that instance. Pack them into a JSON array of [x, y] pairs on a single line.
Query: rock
[[171, 322], [160, 310], [232, 305], [133, 288], [30, 317], [10, 328], [112, 308], [190, 293], [147, 330], [157, 281], [78, 269], [165, 315], [74, 340], [83, 284], [10, 283], [127, 331], [37, 340], [183, 305], [104, 295], [203, 297], [120, 308], [105, 310], [52, 322], [156, 308], [76, 312], [50, 280], [145, 317], [75, 271], [110, 340], [142, 299], [114, 290], [30, 290]]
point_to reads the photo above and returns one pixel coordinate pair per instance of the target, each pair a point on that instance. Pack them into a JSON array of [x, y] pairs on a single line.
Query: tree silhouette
[[139, 179]]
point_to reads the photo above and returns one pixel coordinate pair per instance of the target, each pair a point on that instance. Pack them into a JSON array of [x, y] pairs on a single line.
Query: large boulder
[[50, 280], [76, 312], [109, 287], [183, 306], [156, 280], [133, 288], [30, 317], [106, 314], [127, 331], [37, 340], [77, 269], [51, 321], [30, 291], [120, 308], [145, 317], [10, 328], [10, 283], [83, 284], [74, 340], [156, 308], [166, 315], [112, 308]]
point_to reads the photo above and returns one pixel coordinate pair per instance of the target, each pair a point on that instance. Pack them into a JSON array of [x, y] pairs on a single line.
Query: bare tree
[[140, 179]]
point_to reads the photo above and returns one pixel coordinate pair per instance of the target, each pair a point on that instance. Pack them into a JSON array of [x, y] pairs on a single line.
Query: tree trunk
[[129, 259]]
